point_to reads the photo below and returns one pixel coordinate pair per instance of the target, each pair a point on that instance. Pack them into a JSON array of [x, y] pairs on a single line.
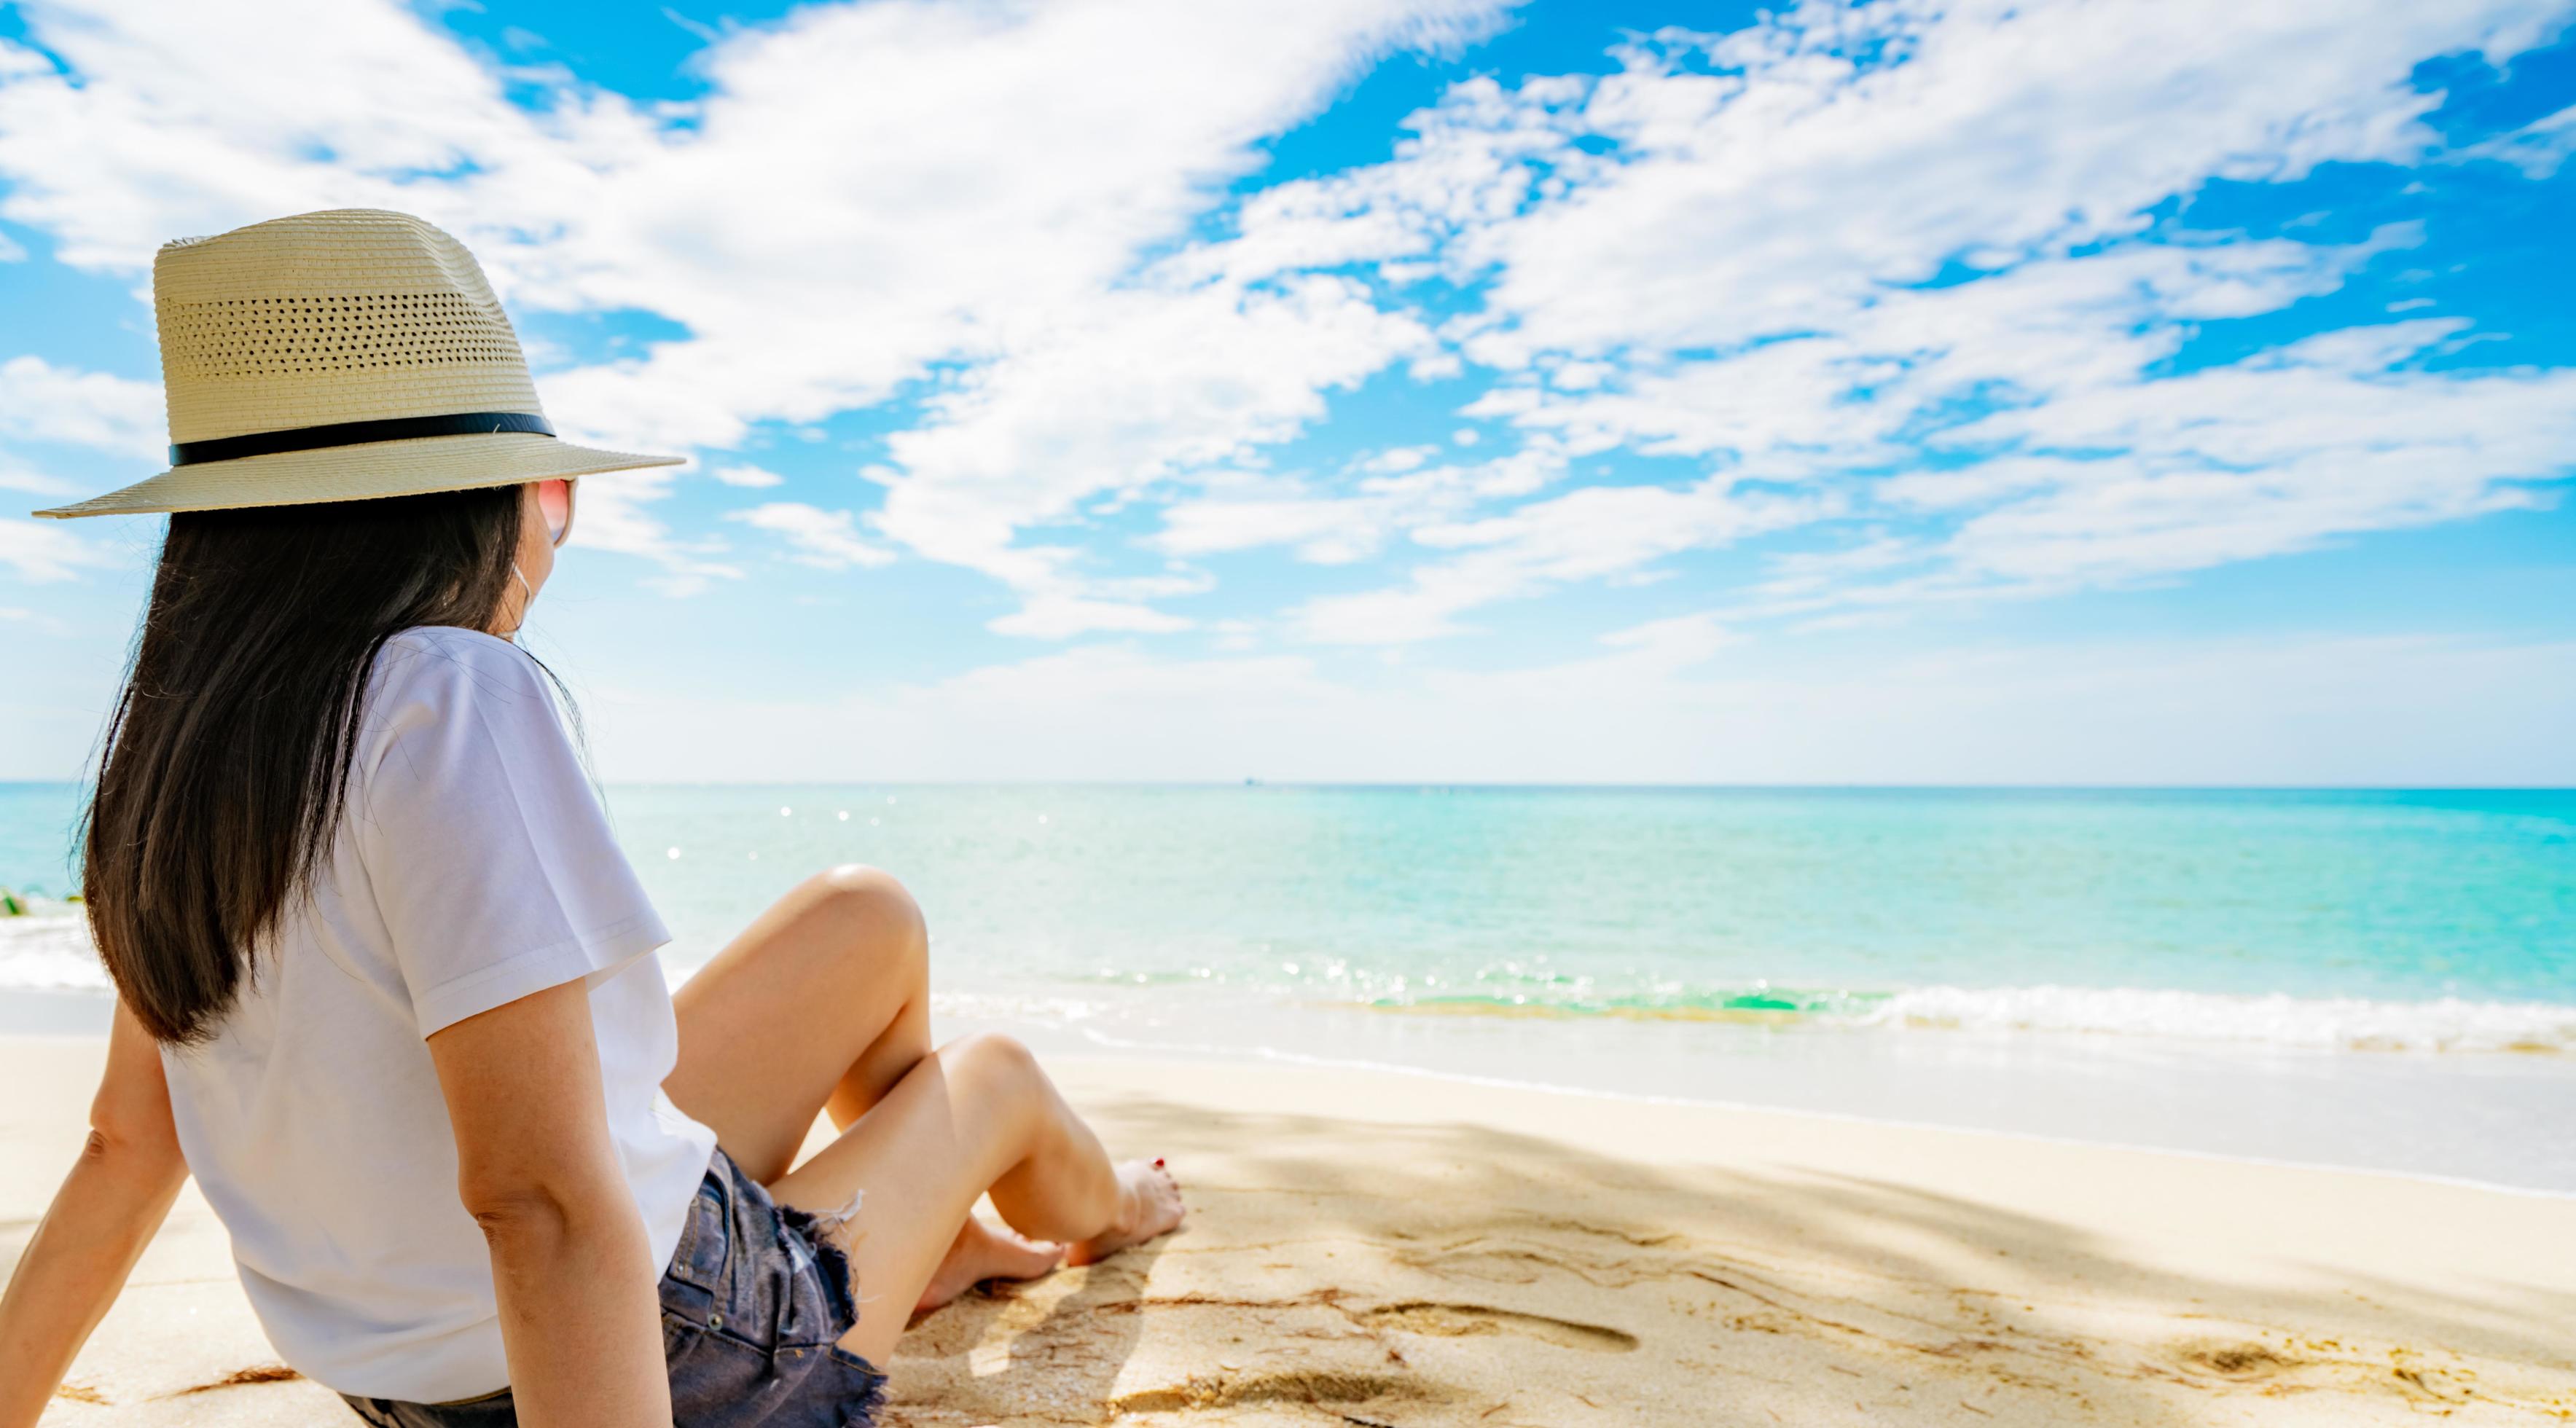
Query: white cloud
[[615, 515], [1755, 204], [1050, 615], [1325, 532], [1673, 701], [865, 191], [15, 477], [42, 402], [1152, 384], [1585, 534], [829, 539], [2270, 455], [1374, 500], [1740, 281], [2085, 466], [1089, 129], [2537, 148], [42, 551], [1863, 385], [1715, 255]]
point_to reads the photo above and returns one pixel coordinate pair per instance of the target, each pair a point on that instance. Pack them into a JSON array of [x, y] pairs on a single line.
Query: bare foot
[[981, 1252], [1149, 1205]]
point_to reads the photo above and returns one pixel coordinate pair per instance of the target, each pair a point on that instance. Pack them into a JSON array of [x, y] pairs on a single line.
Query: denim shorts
[[754, 1300]]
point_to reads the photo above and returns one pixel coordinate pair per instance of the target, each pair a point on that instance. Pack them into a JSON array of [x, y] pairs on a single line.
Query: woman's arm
[[580, 1310], [110, 1205]]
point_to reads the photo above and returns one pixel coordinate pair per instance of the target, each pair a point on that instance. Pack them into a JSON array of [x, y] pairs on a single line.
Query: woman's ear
[[527, 596], [533, 562]]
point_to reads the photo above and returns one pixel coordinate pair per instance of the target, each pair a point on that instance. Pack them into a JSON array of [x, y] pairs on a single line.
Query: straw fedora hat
[[335, 356]]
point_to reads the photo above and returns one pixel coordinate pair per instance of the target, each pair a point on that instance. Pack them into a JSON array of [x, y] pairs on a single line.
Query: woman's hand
[[580, 1306], [108, 1209]]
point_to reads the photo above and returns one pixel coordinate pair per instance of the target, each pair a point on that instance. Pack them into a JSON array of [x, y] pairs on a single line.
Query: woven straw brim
[[355, 473]]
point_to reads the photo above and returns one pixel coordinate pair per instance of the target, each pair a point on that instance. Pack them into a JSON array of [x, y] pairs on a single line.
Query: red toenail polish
[[1158, 1162]]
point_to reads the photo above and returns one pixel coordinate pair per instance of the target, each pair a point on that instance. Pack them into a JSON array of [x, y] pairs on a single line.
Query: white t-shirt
[[472, 867]]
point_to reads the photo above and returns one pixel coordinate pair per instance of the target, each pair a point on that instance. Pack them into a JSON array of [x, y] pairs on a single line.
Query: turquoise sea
[[2383, 979]]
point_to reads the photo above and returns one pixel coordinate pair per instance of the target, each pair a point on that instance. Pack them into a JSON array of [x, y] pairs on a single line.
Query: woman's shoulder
[[429, 673], [448, 652], [452, 641]]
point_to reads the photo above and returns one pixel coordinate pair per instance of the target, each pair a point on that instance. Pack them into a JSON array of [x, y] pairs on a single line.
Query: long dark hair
[[223, 767]]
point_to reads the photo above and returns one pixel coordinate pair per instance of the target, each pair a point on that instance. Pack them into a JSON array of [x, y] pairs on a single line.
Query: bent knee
[[992, 1053], [871, 898]]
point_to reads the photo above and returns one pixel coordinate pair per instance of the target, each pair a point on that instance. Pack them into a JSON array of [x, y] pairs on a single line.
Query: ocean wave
[[1761, 1006], [2327, 1023], [2343, 1023], [47, 949]]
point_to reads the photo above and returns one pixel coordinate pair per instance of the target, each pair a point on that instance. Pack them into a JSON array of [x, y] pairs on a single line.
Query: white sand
[[1391, 1250]]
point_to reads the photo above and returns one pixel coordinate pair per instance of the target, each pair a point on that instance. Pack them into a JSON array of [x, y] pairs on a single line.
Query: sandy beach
[[1392, 1251]]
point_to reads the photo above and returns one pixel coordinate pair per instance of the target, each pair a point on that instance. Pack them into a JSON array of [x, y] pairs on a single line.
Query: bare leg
[[823, 1003], [977, 1113]]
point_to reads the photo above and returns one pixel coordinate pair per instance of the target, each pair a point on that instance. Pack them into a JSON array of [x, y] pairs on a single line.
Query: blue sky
[[1451, 390]]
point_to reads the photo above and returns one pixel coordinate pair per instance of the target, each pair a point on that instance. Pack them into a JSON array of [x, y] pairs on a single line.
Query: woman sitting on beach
[[386, 985]]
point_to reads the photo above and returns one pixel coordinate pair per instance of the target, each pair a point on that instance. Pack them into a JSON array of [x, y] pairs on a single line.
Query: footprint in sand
[[1295, 1386], [2243, 1362], [1455, 1321]]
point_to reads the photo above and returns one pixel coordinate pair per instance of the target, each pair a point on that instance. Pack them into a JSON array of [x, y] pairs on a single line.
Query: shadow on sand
[[1396, 1276], [1339, 1272]]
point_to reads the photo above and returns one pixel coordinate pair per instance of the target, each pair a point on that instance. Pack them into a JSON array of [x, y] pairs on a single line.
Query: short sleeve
[[490, 859]]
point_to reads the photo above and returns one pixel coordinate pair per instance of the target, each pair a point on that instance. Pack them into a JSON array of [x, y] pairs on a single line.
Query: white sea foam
[[48, 950], [2346, 1023]]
